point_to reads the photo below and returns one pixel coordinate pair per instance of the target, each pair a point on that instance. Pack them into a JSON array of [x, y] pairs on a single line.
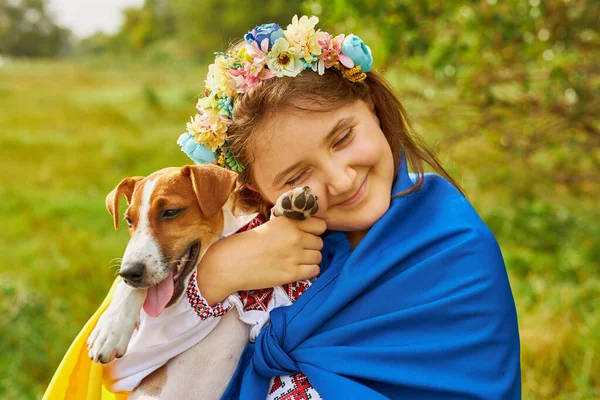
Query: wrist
[[212, 280]]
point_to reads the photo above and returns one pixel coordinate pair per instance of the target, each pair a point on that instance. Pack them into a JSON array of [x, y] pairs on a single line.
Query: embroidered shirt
[[183, 325]]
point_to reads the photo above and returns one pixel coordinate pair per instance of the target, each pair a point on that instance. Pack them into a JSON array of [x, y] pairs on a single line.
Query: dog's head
[[174, 215]]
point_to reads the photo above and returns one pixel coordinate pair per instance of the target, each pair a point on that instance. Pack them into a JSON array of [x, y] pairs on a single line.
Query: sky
[[85, 17]]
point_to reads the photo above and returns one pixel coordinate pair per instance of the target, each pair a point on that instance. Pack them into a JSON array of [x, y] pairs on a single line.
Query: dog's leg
[[298, 203], [110, 337]]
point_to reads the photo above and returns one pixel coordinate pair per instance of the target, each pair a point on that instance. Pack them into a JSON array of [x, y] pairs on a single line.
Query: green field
[[71, 131]]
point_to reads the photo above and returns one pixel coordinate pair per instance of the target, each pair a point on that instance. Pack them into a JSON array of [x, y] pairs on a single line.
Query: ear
[[126, 188], [212, 184]]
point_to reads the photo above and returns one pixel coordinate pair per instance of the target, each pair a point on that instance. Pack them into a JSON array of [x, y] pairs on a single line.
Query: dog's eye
[[128, 222], [169, 214]]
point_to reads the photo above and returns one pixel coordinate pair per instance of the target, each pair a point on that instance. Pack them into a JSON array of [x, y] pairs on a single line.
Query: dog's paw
[[298, 203], [110, 337]]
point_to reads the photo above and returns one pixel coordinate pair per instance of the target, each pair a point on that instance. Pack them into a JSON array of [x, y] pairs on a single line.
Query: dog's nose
[[134, 273]]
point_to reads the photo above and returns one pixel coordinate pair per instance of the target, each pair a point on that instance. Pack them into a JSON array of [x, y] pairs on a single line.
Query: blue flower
[[226, 105], [197, 152], [310, 65], [262, 32], [360, 53]]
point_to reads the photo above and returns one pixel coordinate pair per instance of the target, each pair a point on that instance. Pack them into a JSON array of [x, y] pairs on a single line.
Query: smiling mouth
[[166, 292], [356, 197]]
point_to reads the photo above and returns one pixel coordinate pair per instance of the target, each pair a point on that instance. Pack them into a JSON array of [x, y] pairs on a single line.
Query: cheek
[[371, 149]]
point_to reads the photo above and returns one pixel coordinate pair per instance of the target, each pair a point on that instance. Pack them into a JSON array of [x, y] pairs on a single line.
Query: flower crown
[[267, 52]]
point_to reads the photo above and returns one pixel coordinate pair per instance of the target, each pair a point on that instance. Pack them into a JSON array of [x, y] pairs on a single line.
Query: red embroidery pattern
[[256, 299], [301, 389], [296, 289], [199, 305], [277, 384], [257, 221]]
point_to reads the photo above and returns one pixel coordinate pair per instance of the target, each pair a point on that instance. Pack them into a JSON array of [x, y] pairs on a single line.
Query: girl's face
[[341, 154]]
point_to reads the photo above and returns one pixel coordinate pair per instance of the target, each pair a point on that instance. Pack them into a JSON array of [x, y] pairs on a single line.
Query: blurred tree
[[143, 26], [27, 29], [210, 26], [533, 56]]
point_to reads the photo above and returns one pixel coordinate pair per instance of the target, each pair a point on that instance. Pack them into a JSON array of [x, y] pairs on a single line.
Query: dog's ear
[[124, 188], [212, 185]]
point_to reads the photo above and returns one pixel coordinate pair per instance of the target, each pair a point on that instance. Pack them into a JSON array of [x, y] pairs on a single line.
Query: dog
[[174, 216]]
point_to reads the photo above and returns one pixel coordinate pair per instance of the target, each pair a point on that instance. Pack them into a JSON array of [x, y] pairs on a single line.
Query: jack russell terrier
[[159, 338]]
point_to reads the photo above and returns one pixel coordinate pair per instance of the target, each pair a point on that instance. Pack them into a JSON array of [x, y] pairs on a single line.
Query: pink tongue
[[158, 296]]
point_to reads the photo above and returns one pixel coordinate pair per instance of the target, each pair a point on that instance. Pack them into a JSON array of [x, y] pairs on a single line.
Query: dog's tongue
[[158, 296]]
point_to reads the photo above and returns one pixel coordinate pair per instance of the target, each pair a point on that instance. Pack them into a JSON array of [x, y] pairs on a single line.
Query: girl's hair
[[321, 93]]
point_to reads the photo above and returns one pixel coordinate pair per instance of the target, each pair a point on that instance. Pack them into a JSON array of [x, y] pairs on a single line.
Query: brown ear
[[212, 184], [124, 188]]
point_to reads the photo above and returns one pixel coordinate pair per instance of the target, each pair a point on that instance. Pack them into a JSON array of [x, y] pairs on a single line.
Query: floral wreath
[[267, 52]]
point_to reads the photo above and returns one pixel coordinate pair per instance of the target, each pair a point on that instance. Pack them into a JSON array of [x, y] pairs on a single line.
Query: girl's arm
[[279, 251]]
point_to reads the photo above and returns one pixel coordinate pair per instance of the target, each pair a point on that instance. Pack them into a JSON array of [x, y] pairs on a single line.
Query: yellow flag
[[77, 377]]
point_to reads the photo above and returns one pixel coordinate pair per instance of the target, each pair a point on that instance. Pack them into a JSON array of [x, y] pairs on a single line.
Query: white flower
[[284, 60]]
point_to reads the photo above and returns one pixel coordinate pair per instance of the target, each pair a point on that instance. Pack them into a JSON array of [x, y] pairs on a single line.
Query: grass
[[71, 131]]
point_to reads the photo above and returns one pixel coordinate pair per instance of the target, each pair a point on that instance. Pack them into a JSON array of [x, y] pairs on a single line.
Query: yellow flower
[[207, 102], [218, 80], [221, 159], [301, 34], [209, 128], [284, 60]]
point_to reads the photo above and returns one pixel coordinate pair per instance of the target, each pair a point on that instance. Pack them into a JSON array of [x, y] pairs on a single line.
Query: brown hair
[[318, 93]]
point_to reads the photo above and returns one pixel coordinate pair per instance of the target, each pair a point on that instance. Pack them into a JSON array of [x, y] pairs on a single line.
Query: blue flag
[[420, 309]]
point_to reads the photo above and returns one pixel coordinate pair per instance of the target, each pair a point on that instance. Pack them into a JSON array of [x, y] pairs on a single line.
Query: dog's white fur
[[142, 246], [116, 325], [203, 370]]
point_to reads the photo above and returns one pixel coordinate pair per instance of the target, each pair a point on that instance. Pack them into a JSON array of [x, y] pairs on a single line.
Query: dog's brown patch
[[153, 384]]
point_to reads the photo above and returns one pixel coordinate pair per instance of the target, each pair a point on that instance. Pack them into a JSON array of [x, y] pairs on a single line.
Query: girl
[[411, 298]]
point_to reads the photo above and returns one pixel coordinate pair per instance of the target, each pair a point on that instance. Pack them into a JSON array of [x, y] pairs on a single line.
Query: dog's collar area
[[237, 223]]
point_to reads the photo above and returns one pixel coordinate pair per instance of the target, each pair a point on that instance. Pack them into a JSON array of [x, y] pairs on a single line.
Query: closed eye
[[349, 135], [296, 179]]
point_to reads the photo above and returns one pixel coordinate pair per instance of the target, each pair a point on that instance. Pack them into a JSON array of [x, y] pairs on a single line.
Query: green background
[[505, 91]]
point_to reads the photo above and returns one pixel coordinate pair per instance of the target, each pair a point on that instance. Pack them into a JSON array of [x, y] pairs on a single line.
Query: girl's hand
[[279, 251]]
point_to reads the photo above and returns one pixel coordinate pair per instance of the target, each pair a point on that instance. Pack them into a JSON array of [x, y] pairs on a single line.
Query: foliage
[[506, 90], [529, 55], [210, 26], [28, 30]]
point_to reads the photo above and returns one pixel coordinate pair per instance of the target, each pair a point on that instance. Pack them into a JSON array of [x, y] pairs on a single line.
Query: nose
[[340, 179], [134, 273]]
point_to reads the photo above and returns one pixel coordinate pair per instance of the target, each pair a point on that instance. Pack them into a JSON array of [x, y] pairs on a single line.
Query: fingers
[[313, 225], [311, 242], [310, 257], [306, 272]]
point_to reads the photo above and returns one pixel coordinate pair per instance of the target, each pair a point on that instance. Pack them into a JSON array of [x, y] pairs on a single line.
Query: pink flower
[[254, 60], [332, 52]]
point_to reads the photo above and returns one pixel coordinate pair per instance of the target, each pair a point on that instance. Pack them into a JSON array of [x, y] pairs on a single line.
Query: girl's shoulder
[[439, 203]]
